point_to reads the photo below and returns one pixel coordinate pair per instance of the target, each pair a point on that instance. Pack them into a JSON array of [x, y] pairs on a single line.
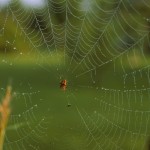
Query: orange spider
[[63, 84]]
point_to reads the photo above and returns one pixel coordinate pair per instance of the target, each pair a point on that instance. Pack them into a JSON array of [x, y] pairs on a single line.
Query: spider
[[63, 84]]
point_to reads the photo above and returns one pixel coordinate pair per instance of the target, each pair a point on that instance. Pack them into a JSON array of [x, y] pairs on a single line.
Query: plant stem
[[2, 135]]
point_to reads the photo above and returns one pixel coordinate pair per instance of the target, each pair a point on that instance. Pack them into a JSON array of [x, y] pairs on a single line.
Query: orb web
[[102, 49]]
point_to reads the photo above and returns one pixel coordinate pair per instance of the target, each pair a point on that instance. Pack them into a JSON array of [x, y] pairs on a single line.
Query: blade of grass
[[4, 115]]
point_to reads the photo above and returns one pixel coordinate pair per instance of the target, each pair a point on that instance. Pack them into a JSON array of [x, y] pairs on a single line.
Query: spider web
[[101, 48]]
